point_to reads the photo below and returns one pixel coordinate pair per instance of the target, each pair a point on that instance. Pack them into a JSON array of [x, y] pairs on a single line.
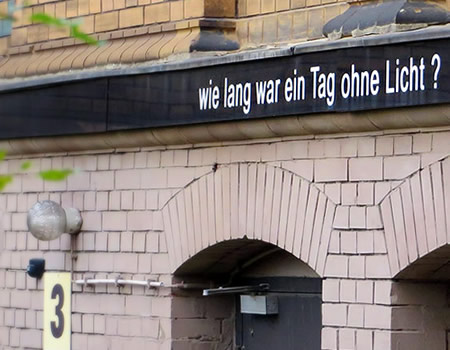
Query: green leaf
[[76, 33], [55, 175], [2, 155], [48, 20], [25, 165], [4, 180], [74, 28]]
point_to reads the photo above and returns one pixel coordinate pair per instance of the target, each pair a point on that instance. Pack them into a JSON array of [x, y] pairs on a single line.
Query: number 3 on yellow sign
[[57, 310]]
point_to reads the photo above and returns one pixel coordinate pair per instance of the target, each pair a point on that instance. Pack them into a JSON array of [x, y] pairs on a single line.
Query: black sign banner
[[347, 79]]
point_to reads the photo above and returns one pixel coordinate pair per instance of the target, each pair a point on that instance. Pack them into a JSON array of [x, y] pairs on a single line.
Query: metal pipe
[[263, 287], [120, 282], [150, 284]]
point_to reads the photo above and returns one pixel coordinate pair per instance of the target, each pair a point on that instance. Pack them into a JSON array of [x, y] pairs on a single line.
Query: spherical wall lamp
[[47, 220]]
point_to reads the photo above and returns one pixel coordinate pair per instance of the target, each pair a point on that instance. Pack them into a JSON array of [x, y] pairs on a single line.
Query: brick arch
[[416, 216], [252, 200]]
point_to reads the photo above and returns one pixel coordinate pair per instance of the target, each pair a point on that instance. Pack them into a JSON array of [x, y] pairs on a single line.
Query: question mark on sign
[[436, 61]]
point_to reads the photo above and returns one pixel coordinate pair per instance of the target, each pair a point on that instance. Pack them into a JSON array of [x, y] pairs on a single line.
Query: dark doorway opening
[[297, 324], [296, 287]]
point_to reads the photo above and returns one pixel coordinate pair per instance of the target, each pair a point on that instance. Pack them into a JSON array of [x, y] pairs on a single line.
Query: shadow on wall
[[421, 304], [434, 266]]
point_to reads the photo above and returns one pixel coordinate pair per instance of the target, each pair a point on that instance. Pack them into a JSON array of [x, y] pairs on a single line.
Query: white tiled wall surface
[[357, 209]]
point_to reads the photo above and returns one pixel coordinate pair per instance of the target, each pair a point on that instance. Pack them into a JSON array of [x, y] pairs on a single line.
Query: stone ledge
[[197, 60], [325, 123]]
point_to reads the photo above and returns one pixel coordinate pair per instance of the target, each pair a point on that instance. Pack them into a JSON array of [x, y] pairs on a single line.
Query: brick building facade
[[358, 200]]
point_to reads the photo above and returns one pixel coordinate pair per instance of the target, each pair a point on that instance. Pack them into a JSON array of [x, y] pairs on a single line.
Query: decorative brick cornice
[[136, 45]]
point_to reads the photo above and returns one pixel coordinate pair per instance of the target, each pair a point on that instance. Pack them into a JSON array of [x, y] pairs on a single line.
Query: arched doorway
[[223, 225], [256, 296], [421, 303], [416, 218]]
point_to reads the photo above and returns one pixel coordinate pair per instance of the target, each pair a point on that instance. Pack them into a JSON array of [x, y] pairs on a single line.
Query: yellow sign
[[57, 310]]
